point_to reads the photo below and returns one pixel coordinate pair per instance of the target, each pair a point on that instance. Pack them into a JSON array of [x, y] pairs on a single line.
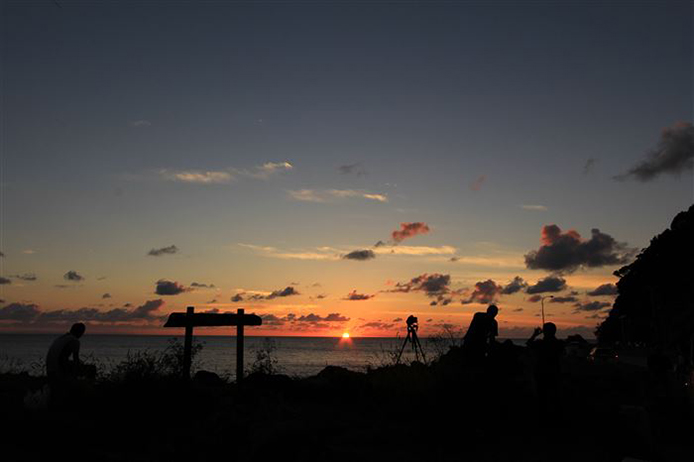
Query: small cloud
[[548, 284], [535, 298], [514, 286], [485, 292], [106, 295], [352, 169], [592, 306], [165, 287], [311, 195], [567, 299], [537, 208], [197, 176], [268, 169], [354, 296], [200, 285], [25, 277], [360, 255], [408, 230], [673, 155], [140, 123], [517, 310], [588, 167], [237, 298], [477, 184], [28, 251], [604, 289], [73, 276], [170, 250]]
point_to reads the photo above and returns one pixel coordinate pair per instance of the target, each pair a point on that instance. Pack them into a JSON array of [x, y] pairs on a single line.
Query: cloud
[[170, 250], [518, 310], [377, 325], [200, 285], [4, 281], [514, 286], [354, 296], [588, 167], [332, 317], [567, 299], [286, 292], [272, 320], [19, 312], [267, 170], [435, 285], [197, 176], [106, 295], [25, 277], [237, 298], [31, 313], [356, 169], [485, 292], [548, 284], [592, 306], [73, 276], [262, 172], [165, 287], [535, 298], [360, 255], [673, 155], [408, 230], [477, 184], [140, 123], [537, 208], [566, 252], [311, 195], [604, 289], [417, 250]]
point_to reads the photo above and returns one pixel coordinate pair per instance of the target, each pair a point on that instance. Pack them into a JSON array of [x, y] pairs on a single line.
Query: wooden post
[[188, 342], [239, 347]]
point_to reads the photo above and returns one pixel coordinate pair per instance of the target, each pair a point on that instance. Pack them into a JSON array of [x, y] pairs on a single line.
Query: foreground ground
[[447, 411]]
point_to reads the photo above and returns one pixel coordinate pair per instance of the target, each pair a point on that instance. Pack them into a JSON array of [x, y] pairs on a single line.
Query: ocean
[[296, 356]]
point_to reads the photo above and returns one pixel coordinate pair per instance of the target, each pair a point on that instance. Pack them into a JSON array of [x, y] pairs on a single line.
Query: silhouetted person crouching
[[481, 333], [548, 353], [63, 364]]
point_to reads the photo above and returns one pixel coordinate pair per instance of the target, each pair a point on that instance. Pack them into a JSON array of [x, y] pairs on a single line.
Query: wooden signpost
[[190, 319]]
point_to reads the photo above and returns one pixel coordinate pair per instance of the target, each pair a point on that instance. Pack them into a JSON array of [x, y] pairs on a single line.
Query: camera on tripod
[[412, 323], [412, 339]]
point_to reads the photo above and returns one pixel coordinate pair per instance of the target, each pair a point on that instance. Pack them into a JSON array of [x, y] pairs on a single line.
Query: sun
[[345, 335]]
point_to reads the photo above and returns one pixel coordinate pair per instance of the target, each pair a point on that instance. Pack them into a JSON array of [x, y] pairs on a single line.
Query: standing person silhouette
[[548, 354], [62, 372], [481, 333]]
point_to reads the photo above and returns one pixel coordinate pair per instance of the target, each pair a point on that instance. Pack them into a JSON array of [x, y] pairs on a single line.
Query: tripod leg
[[404, 344], [418, 345]]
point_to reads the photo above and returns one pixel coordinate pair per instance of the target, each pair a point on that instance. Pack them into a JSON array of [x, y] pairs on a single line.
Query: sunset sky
[[336, 167]]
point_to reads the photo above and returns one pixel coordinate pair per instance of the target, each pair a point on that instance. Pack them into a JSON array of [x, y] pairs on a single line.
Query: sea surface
[[295, 356]]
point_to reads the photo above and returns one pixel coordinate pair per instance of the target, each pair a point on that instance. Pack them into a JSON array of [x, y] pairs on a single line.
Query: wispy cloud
[[333, 253], [140, 123], [537, 208], [169, 250], [330, 195], [197, 176], [262, 172], [477, 184]]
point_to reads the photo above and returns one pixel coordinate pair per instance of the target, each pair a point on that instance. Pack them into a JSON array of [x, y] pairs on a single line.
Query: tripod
[[412, 338]]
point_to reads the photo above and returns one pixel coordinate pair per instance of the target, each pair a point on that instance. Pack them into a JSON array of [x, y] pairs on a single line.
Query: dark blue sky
[[105, 104]]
